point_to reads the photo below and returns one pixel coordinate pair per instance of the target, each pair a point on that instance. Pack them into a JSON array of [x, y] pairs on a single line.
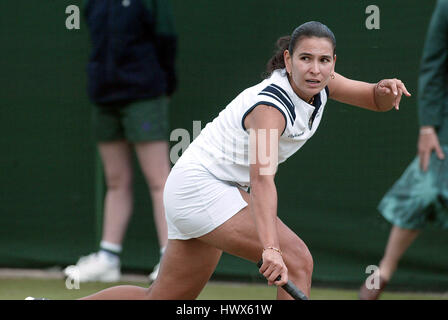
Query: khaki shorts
[[145, 120]]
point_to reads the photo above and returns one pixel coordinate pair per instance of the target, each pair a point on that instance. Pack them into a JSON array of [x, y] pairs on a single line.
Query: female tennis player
[[208, 207]]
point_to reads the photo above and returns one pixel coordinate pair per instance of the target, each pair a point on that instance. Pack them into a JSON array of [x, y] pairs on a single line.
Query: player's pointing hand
[[392, 89]]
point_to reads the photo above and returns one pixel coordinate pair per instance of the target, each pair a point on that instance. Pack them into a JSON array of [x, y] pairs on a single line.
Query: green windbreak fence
[[51, 189]]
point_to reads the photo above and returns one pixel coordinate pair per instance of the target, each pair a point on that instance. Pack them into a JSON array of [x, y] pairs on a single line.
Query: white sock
[[110, 251], [112, 247]]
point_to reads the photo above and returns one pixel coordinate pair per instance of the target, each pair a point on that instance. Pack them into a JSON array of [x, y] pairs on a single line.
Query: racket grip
[[289, 287]]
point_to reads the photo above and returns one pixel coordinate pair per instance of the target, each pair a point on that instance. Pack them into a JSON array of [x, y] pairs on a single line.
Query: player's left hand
[[274, 266], [394, 88]]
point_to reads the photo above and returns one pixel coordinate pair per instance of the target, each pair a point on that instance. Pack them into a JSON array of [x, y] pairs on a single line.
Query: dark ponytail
[[308, 30], [277, 61]]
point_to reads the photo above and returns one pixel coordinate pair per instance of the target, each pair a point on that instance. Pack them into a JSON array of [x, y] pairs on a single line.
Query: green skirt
[[418, 197]]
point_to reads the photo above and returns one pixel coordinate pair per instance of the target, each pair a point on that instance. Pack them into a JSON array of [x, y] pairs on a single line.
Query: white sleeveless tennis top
[[223, 145]]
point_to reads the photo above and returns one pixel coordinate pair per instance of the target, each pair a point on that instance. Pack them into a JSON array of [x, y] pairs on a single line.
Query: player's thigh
[[239, 236], [116, 157], [185, 268]]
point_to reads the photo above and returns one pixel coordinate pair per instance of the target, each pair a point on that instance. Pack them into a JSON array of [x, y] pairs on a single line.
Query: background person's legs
[[105, 264], [146, 124], [118, 203], [155, 164], [399, 241]]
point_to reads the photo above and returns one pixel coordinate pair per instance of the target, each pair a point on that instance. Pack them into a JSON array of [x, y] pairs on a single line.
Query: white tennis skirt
[[196, 202]]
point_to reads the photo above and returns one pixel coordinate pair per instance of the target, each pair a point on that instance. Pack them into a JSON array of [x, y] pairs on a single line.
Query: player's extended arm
[[265, 125], [382, 96]]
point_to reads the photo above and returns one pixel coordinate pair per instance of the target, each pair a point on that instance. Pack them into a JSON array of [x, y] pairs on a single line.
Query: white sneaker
[[153, 275], [94, 267]]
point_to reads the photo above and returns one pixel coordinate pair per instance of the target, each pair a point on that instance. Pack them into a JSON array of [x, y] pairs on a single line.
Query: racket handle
[[289, 287]]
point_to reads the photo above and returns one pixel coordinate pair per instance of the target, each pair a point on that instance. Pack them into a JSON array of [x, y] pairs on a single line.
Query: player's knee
[[301, 261], [308, 263]]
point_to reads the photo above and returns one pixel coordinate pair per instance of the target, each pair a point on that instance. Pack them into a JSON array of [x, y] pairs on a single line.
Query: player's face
[[310, 66]]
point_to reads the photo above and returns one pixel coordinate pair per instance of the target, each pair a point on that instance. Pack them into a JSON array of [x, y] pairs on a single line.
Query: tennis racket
[[289, 287]]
